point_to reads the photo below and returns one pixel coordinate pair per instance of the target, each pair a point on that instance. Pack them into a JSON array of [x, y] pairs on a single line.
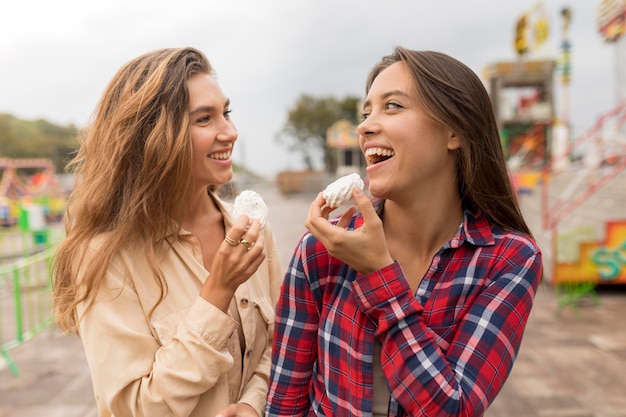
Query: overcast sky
[[57, 56]]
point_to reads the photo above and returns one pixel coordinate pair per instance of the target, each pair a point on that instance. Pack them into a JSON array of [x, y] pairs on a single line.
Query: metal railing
[[25, 301]]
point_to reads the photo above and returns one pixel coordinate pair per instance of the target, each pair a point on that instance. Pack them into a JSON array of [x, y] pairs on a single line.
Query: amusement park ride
[[541, 150], [28, 186]]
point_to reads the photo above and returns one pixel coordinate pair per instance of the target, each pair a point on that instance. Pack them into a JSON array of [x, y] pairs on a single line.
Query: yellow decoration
[[541, 30], [535, 19], [521, 42]]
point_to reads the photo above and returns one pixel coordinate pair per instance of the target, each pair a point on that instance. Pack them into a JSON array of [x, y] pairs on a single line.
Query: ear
[[454, 142]]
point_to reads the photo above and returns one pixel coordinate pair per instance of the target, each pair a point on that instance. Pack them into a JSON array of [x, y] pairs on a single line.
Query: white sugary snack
[[250, 203], [340, 191]]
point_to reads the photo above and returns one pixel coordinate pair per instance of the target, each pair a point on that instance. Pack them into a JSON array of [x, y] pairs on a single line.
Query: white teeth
[[220, 155], [379, 152]]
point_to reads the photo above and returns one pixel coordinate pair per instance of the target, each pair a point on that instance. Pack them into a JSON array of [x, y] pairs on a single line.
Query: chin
[[225, 178], [376, 191]]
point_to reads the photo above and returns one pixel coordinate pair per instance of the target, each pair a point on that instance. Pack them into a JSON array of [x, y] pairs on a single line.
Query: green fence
[[25, 301]]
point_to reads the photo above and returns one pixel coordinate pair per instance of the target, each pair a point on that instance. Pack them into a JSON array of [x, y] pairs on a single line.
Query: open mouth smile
[[222, 156], [376, 155]]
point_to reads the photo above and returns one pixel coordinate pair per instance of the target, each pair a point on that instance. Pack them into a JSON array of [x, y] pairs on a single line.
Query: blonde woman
[[172, 297]]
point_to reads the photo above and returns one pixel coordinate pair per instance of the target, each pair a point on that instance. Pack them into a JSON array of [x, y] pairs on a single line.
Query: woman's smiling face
[[406, 151], [211, 130]]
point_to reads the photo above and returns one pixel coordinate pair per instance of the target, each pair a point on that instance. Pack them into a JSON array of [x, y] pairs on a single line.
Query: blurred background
[[295, 73]]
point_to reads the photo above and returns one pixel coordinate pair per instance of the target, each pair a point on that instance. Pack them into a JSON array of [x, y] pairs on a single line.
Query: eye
[[393, 105], [363, 116], [203, 119], [227, 113]]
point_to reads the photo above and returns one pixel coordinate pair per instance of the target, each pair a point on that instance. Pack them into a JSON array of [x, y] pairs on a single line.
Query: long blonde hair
[[132, 170]]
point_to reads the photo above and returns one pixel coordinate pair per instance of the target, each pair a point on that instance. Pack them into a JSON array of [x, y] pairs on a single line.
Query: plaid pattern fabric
[[446, 350]]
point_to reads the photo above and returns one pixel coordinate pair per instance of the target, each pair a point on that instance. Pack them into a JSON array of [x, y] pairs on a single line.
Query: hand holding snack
[[349, 245], [340, 191]]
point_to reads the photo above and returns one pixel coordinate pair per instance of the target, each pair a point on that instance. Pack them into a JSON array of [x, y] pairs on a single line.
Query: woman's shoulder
[[102, 240], [482, 231], [514, 243], [128, 256]]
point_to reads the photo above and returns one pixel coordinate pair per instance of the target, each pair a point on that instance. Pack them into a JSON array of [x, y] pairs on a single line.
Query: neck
[[200, 206], [423, 226]]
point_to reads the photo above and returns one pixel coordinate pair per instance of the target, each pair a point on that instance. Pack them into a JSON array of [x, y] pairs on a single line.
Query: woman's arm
[[463, 378], [131, 372]]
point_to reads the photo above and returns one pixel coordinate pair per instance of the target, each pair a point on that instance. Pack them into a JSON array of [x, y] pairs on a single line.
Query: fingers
[[365, 205], [319, 212], [244, 232], [365, 248], [318, 215], [318, 207], [344, 220], [240, 227], [235, 262]]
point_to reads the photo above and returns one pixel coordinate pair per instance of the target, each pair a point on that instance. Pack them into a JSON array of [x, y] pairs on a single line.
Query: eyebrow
[[387, 95], [208, 109]]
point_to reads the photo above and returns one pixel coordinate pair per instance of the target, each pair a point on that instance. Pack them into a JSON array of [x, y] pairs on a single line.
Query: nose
[[365, 130], [228, 131], [368, 126]]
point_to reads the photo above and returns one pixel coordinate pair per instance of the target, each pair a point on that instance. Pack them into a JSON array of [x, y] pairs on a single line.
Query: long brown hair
[[132, 170], [453, 96]]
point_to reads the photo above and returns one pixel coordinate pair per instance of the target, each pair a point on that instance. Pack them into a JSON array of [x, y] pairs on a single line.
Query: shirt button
[[249, 352], [244, 302]]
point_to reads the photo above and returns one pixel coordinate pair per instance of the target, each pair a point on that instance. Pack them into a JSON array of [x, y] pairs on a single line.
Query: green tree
[[37, 139], [308, 120]]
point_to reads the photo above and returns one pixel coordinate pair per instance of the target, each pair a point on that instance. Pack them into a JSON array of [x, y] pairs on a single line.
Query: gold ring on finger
[[230, 241], [247, 244]]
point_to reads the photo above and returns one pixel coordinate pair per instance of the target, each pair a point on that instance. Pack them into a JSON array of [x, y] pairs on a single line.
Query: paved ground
[[572, 364]]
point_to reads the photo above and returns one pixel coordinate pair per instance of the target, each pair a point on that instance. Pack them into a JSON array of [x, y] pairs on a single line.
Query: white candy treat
[[250, 203], [340, 191]]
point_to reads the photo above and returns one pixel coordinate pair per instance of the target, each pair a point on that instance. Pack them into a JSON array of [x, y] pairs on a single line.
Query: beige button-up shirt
[[188, 358]]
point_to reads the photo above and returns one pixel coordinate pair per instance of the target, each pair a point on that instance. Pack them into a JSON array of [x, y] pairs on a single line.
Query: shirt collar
[[475, 230]]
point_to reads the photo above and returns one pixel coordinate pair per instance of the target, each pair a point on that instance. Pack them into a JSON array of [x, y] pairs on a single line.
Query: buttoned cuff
[[210, 323]]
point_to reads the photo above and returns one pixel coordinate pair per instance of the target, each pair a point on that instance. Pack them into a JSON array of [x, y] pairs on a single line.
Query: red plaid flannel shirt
[[446, 350]]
